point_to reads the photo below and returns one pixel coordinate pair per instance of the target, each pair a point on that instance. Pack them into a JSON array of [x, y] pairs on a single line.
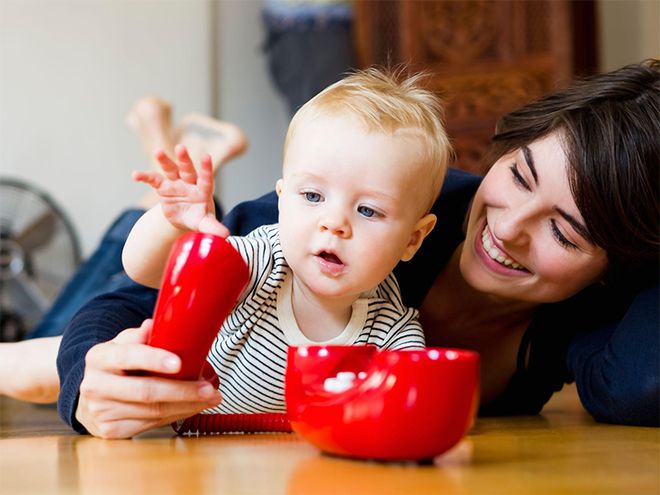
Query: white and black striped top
[[249, 354]]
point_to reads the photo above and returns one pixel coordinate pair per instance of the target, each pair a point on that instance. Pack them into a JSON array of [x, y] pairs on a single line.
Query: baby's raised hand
[[186, 196]]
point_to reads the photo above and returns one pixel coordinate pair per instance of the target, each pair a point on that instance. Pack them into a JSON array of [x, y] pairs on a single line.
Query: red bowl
[[402, 405]]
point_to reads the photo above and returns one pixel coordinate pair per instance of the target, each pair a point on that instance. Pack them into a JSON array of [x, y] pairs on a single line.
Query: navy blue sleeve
[[247, 216], [617, 369], [105, 316], [100, 320]]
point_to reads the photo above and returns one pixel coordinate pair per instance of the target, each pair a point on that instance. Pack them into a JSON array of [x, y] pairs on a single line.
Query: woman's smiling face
[[526, 239]]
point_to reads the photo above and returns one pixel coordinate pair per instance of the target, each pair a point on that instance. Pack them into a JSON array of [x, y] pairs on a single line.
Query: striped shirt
[[249, 353]]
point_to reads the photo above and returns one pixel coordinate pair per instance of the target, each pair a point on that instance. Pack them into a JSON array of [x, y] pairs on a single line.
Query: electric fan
[[39, 250]]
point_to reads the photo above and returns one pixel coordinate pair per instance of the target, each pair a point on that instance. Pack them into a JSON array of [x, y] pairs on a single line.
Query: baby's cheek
[[378, 262]]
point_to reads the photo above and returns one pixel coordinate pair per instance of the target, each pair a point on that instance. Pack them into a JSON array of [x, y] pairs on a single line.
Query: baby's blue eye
[[312, 197], [365, 211]]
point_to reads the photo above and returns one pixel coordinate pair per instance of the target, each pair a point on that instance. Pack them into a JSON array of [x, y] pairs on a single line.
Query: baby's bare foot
[[205, 135], [151, 119]]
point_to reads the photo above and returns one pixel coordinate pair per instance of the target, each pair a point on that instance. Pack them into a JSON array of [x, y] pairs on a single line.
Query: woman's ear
[[422, 228]]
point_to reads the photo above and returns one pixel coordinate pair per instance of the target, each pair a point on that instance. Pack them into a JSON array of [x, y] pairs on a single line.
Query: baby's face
[[349, 203]]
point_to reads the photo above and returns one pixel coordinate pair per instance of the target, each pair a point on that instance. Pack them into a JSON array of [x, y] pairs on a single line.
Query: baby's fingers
[[170, 169], [186, 167], [154, 179], [205, 180]]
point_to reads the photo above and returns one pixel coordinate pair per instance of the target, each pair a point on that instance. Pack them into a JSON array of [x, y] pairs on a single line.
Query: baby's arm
[[186, 204]]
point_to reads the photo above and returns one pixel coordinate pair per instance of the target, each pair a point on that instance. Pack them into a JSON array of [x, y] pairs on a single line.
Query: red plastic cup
[[203, 279], [401, 405]]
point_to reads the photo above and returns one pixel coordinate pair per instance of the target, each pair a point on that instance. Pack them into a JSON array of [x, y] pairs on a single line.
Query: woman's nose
[[512, 225]]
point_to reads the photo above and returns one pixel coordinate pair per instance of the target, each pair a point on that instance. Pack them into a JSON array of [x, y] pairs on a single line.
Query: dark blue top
[[609, 344]]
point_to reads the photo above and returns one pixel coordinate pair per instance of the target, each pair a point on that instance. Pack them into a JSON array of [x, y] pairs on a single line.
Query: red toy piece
[[217, 424], [203, 279], [359, 402]]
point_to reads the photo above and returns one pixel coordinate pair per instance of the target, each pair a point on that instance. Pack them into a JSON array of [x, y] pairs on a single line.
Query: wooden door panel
[[484, 57]]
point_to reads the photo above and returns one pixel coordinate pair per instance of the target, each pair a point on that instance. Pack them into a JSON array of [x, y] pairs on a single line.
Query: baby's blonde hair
[[386, 101]]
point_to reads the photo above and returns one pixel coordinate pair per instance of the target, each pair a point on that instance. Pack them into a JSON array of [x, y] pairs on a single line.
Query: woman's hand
[[115, 404], [186, 196]]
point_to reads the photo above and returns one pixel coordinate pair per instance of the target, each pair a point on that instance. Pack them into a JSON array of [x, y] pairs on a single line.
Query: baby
[[364, 161]]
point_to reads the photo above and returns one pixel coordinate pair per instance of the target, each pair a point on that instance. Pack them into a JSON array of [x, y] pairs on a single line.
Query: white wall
[[629, 31], [70, 71], [247, 97]]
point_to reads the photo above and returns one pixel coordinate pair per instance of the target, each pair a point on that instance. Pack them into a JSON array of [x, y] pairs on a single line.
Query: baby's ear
[[278, 186], [422, 228]]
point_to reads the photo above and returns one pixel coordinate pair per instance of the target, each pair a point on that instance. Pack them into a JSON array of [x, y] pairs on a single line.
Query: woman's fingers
[[128, 351], [158, 412], [109, 419], [114, 357], [120, 429], [139, 335], [114, 404], [113, 420], [148, 389]]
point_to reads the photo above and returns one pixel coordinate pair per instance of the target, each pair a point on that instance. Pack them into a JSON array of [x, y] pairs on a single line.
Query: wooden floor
[[561, 451]]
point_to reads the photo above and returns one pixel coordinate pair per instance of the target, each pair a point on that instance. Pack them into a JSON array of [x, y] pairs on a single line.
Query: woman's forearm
[[617, 368], [100, 320]]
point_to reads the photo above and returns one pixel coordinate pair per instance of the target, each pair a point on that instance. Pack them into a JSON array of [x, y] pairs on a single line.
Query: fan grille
[[39, 251]]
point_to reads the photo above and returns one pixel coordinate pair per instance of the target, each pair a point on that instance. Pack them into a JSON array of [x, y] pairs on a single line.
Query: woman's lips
[[497, 254], [494, 257]]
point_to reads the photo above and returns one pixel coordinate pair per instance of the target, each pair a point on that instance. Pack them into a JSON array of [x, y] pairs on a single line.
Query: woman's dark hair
[[610, 127]]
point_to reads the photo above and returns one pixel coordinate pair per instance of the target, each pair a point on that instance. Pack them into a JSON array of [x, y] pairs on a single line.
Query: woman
[[553, 277]]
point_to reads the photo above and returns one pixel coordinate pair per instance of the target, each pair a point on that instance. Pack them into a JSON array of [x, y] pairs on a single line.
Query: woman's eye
[[519, 179], [312, 197], [560, 237], [365, 211]]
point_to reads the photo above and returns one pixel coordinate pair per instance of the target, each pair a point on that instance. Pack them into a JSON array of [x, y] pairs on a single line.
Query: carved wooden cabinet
[[485, 57]]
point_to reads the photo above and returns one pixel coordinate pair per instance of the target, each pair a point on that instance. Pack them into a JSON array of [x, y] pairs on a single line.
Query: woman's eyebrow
[[527, 153], [577, 226]]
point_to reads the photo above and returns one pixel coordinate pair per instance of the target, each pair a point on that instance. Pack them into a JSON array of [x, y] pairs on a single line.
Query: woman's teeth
[[495, 253]]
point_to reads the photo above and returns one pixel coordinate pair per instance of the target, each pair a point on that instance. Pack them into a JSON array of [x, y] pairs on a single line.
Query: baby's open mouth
[[330, 257]]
